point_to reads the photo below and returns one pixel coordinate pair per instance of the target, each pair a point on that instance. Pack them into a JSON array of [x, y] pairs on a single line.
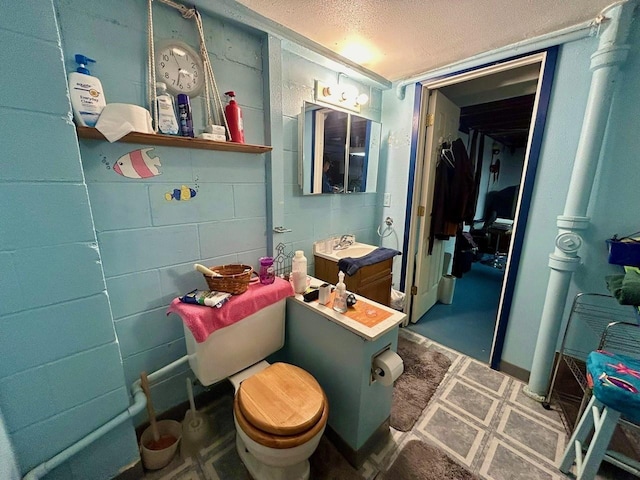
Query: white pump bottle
[[87, 96], [340, 300]]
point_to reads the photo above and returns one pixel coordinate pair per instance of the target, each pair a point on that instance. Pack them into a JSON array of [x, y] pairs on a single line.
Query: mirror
[[338, 151]]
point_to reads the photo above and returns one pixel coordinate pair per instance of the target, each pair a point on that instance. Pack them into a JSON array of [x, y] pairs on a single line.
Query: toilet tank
[[238, 346]]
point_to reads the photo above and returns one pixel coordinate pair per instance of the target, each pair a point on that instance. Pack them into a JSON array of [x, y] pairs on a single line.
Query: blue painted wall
[[61, 374], [614, 194], [393, 177], [90, 259], [149, 243], [564, 123], [105, 253], [316, 217]]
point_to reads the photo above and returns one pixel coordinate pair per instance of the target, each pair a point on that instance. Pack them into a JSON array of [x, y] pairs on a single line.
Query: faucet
[[345, 242]]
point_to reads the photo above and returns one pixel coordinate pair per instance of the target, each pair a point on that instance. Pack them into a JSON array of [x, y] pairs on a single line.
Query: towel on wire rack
[[625, 288], [351, 265]]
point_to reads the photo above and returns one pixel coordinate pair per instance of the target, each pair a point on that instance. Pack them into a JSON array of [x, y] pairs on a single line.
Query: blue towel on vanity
[[351, 265]]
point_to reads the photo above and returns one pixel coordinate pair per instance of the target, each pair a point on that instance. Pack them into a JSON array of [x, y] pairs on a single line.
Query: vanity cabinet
[[372, 281], [339, 351]]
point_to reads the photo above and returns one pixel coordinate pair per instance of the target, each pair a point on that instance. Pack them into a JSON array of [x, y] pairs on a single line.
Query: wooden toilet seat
[[282, 406]]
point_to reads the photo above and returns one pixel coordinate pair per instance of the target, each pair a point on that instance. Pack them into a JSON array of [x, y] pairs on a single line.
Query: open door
[[442, 124], [463, 88]]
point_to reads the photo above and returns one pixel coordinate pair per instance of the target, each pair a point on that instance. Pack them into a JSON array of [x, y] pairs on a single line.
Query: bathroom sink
[[355, 251]]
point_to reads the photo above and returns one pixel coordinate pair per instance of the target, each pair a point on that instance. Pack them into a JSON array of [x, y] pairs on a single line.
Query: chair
[[614, 385], [481, 236], [493, 237]]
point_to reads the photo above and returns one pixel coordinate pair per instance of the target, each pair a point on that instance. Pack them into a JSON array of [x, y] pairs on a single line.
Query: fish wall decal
[[181, 194], [138, 164]]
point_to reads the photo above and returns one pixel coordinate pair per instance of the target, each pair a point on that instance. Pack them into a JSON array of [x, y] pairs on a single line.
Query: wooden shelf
[[175, 141]]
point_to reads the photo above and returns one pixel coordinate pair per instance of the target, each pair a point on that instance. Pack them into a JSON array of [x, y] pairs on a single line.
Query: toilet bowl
[[280, 410], [280, 414]]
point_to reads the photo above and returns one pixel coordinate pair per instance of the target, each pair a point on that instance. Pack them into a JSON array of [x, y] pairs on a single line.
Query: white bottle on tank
[[299, 272], [87, 96]]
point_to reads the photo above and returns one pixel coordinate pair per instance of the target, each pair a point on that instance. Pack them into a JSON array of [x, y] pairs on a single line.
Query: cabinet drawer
[[371, 281], [378, 291], [372, 273]]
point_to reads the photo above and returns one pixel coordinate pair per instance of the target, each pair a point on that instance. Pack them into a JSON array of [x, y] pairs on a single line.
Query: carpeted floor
[[418, 460], [424, 369], [478, 420], [467, 325]]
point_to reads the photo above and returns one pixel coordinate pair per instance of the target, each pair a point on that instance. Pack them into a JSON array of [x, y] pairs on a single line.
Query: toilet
[[280, 411]]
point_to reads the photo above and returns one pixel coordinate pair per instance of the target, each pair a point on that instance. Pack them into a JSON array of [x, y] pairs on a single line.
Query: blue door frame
[[527, 189]]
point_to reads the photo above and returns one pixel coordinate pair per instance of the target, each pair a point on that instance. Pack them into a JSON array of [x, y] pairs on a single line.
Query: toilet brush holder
[[154, 458], [196, 430], [159, 442]]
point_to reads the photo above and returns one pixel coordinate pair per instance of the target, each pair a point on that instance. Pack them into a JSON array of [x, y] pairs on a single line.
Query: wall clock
[[180, 67]]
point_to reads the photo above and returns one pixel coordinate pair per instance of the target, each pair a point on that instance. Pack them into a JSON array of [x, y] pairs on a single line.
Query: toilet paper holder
[[374, 370]]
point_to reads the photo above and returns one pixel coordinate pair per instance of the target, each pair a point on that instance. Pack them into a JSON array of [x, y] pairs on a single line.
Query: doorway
[[477, 94]]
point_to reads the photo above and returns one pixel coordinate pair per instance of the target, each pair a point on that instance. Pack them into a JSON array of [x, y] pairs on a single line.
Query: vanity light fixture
[[342, 96]]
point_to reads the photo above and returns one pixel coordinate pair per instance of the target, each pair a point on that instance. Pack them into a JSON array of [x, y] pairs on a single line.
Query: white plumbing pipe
[[605, 63], [139, 402]]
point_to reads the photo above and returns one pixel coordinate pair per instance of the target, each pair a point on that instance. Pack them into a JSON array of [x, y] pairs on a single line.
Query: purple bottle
[[267, 271], [184, 115]]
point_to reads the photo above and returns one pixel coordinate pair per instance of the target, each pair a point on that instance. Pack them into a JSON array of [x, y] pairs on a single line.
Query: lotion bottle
[[299, 272], [87, 96], [340, 300], [167, 122]]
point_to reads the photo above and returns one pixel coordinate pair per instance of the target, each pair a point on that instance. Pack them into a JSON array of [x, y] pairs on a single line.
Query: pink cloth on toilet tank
[[203, 321]]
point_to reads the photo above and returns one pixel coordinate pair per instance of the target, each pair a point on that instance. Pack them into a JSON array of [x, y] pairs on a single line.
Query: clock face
[[180, 68]]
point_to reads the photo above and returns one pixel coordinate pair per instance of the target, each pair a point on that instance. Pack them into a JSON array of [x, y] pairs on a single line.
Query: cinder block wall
[[61, 375]]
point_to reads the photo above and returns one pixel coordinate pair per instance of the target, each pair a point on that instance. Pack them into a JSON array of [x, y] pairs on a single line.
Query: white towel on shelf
[[118, 119]]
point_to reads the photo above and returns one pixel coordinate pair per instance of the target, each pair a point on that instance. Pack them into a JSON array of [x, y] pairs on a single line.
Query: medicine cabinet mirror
[[338, 151]]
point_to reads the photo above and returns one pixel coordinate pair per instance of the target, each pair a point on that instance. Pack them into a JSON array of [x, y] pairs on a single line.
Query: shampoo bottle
[[234, 118], [87, 96], [340, 300], [167, 122]]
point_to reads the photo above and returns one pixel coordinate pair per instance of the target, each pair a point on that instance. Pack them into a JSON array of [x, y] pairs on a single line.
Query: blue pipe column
[[615, 21]]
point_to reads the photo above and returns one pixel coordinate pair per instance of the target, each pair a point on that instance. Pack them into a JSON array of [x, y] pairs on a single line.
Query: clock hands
[[184, 76], [181, 71]]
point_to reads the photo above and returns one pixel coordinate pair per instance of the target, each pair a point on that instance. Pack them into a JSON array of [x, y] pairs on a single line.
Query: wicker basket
[[234, 278]]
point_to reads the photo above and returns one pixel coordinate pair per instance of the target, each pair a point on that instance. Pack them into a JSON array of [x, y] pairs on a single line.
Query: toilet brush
[[195, 428]]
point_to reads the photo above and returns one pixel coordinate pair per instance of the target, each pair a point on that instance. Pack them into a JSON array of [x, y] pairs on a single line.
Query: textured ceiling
[[409, 37]]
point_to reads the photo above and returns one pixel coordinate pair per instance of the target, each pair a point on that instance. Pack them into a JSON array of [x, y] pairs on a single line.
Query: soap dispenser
[[85, 91], [340, 300]]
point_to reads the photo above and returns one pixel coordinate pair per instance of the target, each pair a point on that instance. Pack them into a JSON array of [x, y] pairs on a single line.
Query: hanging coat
[[462, 184], [453, 189]]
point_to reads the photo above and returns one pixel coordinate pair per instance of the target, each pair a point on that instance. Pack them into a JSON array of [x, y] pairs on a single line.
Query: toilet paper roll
[[446, 288], [118, 119], [387, 367]]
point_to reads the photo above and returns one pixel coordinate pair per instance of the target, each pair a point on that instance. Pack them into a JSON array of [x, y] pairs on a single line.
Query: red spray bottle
[[234, 118]]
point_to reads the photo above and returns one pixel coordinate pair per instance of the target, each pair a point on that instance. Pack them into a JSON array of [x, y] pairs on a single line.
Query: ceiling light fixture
[[342, 96]]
